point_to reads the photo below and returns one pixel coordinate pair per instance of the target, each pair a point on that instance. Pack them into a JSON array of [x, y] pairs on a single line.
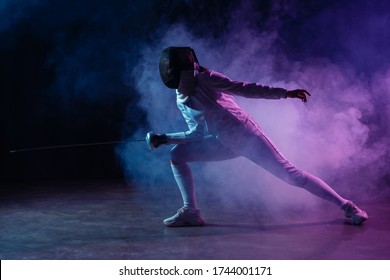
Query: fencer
[[218, 129]]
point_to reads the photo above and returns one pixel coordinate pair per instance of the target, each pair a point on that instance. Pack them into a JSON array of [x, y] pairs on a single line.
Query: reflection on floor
[[114, 221]]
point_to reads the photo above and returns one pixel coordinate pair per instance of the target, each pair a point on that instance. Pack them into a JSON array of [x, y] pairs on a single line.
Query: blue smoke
[[94, 64], [343, 133]]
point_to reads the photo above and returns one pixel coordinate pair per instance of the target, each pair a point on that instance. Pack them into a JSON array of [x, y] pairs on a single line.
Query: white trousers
[[249, 141]]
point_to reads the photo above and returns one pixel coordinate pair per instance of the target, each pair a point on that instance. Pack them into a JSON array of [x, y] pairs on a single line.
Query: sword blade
[[74, 145]]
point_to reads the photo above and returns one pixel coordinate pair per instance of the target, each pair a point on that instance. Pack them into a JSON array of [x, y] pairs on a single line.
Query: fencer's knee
[[297, 178]]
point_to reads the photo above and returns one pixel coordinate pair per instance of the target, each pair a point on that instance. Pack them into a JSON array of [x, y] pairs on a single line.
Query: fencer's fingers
[[296, 91], [299, 93], [304, 91], [302, 96]]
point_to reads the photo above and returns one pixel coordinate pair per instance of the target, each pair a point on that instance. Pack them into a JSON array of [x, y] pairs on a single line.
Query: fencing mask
[[173, 60]]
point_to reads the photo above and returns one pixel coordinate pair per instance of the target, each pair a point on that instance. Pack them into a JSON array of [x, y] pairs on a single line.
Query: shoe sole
[[184, 224], [359, 220]]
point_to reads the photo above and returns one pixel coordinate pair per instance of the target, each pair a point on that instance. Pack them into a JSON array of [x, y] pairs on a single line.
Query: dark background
[[64, 66]]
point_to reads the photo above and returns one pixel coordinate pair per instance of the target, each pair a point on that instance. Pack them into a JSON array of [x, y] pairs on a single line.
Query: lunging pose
[[218, 129]]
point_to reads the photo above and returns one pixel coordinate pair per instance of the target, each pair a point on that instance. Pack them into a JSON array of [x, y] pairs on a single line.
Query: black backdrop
[[62, 67]]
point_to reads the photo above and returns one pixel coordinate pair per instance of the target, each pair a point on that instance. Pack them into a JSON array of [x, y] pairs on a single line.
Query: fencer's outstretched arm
[[253, 90], [245, 89]]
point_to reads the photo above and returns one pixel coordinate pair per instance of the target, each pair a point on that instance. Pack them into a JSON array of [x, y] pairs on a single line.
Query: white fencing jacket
[[207, 104]]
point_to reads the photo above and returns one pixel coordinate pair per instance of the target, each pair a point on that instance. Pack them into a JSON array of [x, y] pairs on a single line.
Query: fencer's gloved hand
[[298, 93], [155, 140]]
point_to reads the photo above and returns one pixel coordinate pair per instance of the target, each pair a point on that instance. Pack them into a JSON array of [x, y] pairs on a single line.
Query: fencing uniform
[[218, 129]]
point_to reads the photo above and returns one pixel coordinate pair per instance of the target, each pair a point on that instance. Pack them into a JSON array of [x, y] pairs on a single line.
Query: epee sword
[[73, 145], [146, 139]]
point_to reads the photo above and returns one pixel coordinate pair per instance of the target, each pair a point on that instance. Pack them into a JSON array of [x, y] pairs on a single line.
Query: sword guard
[[149, 140]]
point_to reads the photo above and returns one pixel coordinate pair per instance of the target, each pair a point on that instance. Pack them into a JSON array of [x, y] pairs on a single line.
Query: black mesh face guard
[[173, 60]]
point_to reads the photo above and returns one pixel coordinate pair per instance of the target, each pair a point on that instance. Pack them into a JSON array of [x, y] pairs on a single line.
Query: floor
[[112, 220]]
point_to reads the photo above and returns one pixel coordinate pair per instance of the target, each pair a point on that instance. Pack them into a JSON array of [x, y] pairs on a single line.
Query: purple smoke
[[341, 134]]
